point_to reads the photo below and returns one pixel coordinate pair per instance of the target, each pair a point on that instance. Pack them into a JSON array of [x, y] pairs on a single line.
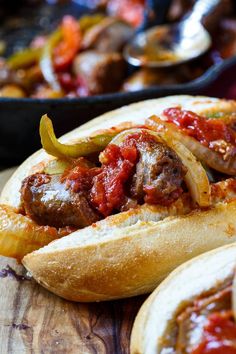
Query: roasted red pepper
[[66, 50]]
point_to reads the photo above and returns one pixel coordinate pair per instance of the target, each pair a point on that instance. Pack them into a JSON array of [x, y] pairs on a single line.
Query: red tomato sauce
[[80, 178], [204, 130], [108, 185], [108, 191], [219, 335]]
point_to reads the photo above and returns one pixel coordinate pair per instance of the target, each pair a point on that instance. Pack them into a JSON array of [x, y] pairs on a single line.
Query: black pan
[[19, 118]]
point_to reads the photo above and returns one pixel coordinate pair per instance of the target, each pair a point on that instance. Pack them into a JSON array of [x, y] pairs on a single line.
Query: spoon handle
[[201, 9], [154, 14]]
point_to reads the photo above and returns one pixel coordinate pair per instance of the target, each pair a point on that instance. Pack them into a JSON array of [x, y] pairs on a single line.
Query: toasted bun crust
[[193, 278], [128, 253], [116, 261]]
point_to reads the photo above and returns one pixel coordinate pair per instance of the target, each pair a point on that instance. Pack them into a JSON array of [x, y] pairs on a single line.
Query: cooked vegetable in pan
[[84, 57]]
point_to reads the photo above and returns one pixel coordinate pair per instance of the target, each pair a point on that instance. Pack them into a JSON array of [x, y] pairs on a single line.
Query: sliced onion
[[20, 235], [45, 61], [203, 153], [196, 178]]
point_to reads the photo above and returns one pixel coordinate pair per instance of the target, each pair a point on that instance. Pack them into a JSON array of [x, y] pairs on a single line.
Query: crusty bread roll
[[131, 252], [156, 318], [112, 261]]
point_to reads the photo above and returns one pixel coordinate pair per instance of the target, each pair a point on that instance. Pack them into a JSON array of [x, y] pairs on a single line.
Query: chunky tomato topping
[[206, 131], [219, 336], [108, 191], [80, 178]]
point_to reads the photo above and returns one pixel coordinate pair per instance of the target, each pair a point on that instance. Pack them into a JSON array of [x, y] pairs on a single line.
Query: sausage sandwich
[[125, 198]]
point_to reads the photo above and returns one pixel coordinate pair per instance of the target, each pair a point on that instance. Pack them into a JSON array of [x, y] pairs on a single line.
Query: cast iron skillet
[[19, 118]]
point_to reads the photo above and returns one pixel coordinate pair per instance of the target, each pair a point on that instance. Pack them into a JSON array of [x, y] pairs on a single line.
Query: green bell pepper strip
[[24, 58], [84, 147]]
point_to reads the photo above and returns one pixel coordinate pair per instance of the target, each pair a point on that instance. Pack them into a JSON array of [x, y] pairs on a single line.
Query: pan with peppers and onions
[[80, 57], [75, 60], [125, 198], [193, 310]]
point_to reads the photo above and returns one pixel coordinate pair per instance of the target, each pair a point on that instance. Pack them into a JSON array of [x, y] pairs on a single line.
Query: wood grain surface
[[32, 320]]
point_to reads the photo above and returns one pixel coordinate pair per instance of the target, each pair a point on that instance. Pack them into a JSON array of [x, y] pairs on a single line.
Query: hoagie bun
[[130, 252], [157, 327]]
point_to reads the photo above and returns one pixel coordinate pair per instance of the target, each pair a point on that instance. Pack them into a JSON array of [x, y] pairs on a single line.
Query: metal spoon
[[168, 45]]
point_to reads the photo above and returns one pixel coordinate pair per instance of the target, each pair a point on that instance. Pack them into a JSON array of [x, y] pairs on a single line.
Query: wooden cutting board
[[32, 320]]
